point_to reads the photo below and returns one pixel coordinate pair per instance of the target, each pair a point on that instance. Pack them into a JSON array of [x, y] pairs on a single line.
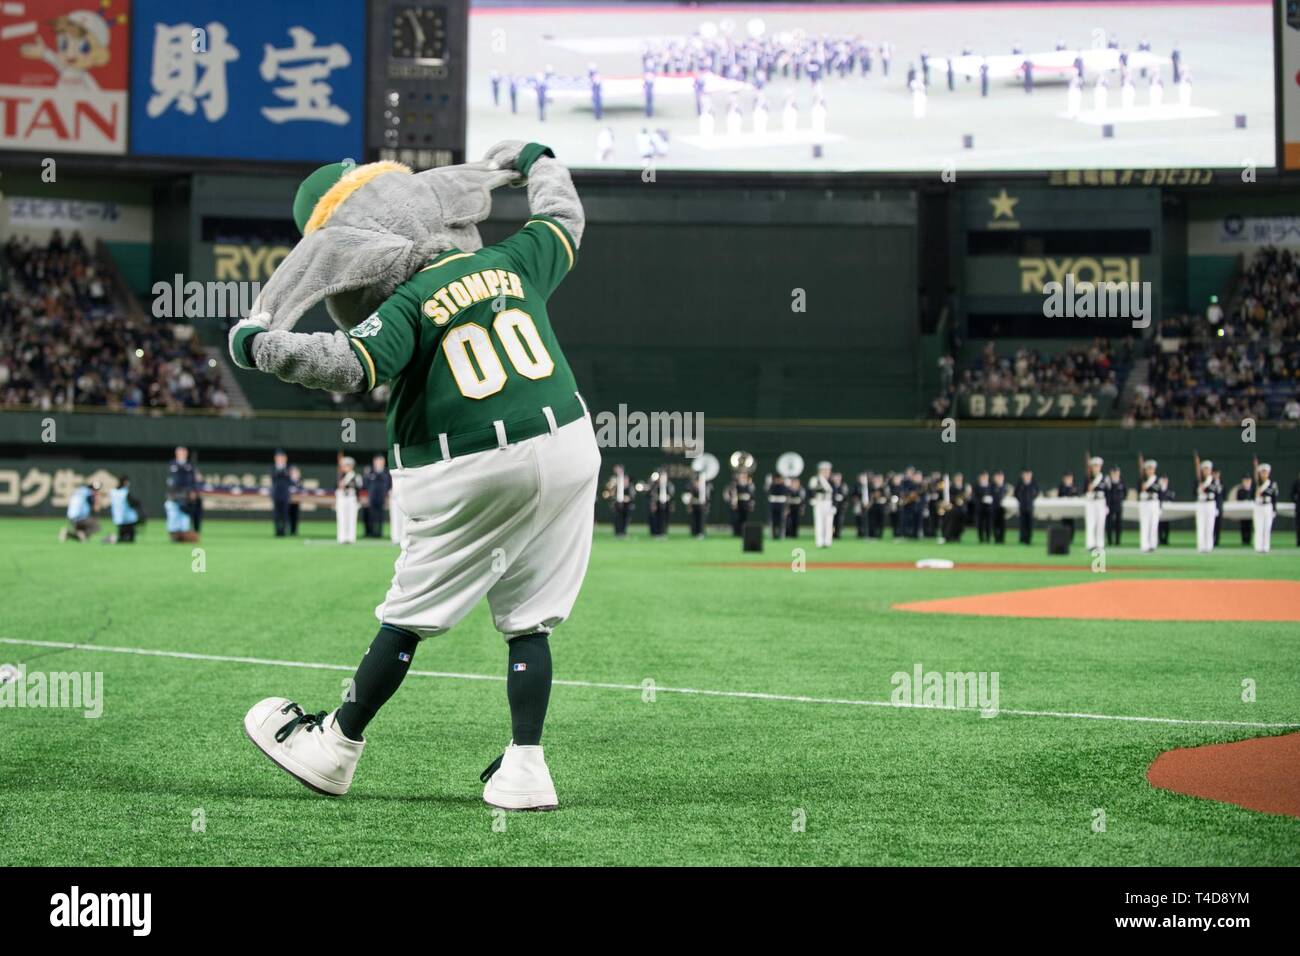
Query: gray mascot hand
[[241, 339], [504, 154]]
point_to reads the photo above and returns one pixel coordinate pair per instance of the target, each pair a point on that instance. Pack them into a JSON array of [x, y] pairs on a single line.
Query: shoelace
[[309, 722], [492, 768]]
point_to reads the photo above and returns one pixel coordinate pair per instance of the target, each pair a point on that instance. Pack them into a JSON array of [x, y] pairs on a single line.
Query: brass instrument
[[742, 461]]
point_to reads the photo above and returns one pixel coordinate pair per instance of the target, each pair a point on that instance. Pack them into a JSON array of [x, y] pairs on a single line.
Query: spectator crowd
[[1221, 367], [1092, 369], [64, 341]]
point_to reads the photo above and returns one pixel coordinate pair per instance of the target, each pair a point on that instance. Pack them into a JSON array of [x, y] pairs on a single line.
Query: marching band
[[941, 506]]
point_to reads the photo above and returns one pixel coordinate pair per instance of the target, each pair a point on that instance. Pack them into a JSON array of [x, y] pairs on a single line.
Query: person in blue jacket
[[124, 509]]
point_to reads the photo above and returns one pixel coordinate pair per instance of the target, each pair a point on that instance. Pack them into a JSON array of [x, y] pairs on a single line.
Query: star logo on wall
[[1003, 205]]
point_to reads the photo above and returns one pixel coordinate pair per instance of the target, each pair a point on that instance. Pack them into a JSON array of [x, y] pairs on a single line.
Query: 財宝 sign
[[248, 80]]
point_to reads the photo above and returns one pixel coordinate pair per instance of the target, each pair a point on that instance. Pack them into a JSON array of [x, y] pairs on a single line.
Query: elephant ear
[[339, 262], [349, 309], [465, 192]]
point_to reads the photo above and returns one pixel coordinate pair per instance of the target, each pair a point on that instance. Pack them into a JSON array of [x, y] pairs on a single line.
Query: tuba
[[790, 465], [742, 461]]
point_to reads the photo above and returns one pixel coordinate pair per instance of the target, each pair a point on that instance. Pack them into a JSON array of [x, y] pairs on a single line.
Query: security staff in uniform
[[778, 495], [296, 488], [1026, 492], [379, 484], [1067, 489], [999, 513], [1166, 494], [983, 507], [1115, 507], [740, 499], [1246, 492], [182, 487], [281, 495], [619, 492]]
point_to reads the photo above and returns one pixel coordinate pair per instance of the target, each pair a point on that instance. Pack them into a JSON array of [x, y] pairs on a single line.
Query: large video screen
[[907, 87]]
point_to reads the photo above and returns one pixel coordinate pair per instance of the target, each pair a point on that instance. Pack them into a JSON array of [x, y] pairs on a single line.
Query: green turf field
[[684, 778]]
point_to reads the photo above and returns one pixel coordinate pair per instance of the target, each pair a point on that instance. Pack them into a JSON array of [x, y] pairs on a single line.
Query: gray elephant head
[[367, 229]]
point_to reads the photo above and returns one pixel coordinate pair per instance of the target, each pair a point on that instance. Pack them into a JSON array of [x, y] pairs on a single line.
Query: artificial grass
[[644, 778]]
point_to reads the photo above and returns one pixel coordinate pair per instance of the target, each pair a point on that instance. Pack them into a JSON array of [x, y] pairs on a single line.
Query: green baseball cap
[[314, 187]]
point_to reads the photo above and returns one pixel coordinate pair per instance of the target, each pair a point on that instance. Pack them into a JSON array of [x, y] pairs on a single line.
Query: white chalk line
[[657, 688]]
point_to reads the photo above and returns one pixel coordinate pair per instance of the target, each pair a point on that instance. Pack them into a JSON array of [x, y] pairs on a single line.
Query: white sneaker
[[519, 780], [309, 747]]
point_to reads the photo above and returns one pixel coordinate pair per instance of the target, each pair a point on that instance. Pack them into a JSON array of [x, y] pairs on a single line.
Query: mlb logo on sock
[[404, 657], [519, 667]]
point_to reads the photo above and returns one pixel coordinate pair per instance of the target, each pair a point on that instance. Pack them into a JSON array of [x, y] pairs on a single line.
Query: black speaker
[[753, 537], [1058, 539]]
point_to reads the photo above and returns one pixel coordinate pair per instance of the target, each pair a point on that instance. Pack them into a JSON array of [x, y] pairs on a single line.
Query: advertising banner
[[63, 75], [248, 80]]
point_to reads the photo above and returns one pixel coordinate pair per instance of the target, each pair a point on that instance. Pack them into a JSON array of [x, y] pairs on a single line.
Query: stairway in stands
[[239, 405], [1138, 376]]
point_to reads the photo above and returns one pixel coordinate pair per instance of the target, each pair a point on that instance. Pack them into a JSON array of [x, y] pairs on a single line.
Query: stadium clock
[[416, 81], [418, 34]]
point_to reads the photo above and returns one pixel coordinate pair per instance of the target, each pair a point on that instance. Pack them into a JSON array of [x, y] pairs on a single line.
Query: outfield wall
[[86, 442]]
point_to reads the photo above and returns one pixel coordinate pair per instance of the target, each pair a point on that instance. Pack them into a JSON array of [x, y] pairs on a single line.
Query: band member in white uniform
[[1149, 506], [1207, 506], [1264, 507], [1094, 505], [345, 501], [701, 489], [822, 493]]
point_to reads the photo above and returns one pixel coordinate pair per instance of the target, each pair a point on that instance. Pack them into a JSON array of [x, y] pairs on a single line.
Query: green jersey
[[467, 344]]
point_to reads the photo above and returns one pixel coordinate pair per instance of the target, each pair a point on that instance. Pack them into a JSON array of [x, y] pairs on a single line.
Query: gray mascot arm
[[550, 188], [551, 193], [322, 360]]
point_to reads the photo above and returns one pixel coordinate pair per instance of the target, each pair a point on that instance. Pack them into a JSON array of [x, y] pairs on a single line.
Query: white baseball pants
[[510, 524], [396, 520]]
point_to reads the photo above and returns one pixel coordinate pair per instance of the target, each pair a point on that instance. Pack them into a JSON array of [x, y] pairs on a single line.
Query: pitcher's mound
[[1261, 774], [1133, 600]]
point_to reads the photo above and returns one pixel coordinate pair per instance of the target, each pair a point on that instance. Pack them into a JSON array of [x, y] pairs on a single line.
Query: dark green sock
[[380, 674], [528, 687]]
